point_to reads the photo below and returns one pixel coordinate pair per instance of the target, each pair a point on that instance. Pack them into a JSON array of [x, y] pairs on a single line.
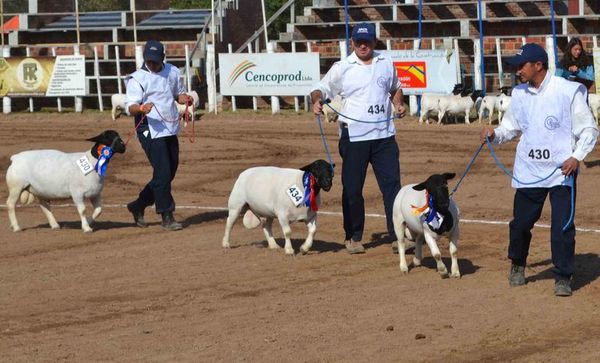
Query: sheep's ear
[[419, 186], [306, 167], [449, 176], [95, 138]]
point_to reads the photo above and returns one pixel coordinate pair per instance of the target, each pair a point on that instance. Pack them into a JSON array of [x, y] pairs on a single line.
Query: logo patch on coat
[[551, 123], [382, 82]]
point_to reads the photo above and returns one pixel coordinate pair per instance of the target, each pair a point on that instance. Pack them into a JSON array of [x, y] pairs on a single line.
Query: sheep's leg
[[435, 252], [423, 116], [454, 271], [287, 233], [399, 227], [441, 116], [418, 251], [480, 114], [113, 113], [312, 229], [97, 204], [231, 218], [11, 202], [45, 206], [267, 227], [79, 203], [499, 117]]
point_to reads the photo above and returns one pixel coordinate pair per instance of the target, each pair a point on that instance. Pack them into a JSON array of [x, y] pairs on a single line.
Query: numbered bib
[[296, 194], [84, 165], [539, 155]]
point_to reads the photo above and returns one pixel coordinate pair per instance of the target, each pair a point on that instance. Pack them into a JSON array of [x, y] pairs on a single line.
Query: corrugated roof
[[109, 19], [188, 19]]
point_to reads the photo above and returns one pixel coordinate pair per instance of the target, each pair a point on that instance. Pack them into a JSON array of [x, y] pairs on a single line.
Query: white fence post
[[211, 86], [78, 99], [275, 108], [28, 53], [296, 99], [97, 75], [477, 64], [58, 101], [499, 60], [306, 98], [188, 76], [412, 99], [551, 55], [139, 56], [118, 61], [6, 101], [343, 49], [233, 102], [254, 100]]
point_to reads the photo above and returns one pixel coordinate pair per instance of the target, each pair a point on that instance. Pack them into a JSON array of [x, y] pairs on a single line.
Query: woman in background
[[576, 65]]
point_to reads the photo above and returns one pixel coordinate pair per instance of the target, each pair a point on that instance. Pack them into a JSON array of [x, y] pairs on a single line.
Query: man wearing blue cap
[[367, 82], [151, 95], [557, 131]]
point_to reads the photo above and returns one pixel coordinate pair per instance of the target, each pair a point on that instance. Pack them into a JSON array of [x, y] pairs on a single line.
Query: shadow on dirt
[[587, 270], [319, 246], [205, 217]]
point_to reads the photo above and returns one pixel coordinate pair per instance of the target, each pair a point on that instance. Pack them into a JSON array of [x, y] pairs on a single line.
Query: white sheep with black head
[[53, 175], [266, 192], [427, 212]]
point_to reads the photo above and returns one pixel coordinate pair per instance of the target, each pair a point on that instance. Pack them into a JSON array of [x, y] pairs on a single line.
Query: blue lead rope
[[326, 103], [569, 180]]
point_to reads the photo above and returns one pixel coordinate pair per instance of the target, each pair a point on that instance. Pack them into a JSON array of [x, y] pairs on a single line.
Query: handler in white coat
[[368, 84], [557, 131]]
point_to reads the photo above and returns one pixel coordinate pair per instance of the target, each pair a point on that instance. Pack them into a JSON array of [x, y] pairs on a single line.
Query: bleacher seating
[[323, 25]]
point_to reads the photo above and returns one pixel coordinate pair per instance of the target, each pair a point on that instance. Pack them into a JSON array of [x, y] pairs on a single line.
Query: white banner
[[68, 76], [275, 74], [597, 68], [426, 71]]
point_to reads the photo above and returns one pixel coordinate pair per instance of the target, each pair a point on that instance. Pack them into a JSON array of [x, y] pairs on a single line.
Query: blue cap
[[364, 31], [530, 52], [154, 51]]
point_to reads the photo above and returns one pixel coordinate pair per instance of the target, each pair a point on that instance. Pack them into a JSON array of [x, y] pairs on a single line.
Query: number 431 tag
[[84, 164], [295, 194]]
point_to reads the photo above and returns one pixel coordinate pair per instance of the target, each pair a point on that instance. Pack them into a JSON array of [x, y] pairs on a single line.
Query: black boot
[[138, 214], [169, 224]]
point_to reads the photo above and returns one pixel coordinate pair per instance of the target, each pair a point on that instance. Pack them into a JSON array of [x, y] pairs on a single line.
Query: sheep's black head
[[437, 186], [323, 173], [506, 90], [110, 138]]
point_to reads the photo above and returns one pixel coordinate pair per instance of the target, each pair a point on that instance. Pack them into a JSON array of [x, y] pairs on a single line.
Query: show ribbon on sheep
[[428, 213], [310, 197], [104, 156]]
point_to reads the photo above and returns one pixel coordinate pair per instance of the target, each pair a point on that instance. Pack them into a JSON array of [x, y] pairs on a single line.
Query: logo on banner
[[411, 74], [30, 74], [241, 68]]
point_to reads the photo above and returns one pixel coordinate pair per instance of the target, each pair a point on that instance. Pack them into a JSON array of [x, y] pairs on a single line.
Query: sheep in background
[[52, 175], [430, 102], [490, 103], [117, 101], [426, 211], [458, 105], [267, 192], [594, 102]]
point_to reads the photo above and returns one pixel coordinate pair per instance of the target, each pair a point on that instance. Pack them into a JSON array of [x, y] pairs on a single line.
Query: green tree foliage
[[103, 5], [190, 4]]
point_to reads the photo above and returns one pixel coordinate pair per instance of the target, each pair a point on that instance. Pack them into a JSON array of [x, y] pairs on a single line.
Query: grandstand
[[443, 22]]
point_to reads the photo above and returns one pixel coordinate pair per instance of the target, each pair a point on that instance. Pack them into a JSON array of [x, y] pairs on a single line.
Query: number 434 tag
[[295, 194]]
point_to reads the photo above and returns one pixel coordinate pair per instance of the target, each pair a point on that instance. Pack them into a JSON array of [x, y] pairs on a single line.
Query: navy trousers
[[163, 154], [528, 206], [383, 154]]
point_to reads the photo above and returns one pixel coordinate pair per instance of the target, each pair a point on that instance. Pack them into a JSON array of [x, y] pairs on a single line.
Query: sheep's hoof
[[274, 246], [16, 229], [88, 230], [289, 252], [416, 263], [303, 251], [226, 245], [455, 275], [55, 226], [404, 271]]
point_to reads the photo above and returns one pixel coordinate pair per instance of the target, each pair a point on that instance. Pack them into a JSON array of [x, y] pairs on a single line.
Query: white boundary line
[[373, 215]]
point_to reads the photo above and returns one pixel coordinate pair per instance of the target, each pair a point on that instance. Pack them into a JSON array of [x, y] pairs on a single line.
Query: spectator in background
[[576, 65]]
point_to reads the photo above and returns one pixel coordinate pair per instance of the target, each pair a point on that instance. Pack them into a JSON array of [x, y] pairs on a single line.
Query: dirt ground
[[128, 294]]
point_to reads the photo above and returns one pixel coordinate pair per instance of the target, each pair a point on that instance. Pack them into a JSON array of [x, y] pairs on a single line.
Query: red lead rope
[[186, 119]]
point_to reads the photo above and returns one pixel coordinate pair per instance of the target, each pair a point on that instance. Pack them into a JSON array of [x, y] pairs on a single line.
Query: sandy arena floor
[[136, 295]]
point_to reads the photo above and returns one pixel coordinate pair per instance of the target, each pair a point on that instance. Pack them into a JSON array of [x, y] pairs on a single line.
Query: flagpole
[[2, 20]]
